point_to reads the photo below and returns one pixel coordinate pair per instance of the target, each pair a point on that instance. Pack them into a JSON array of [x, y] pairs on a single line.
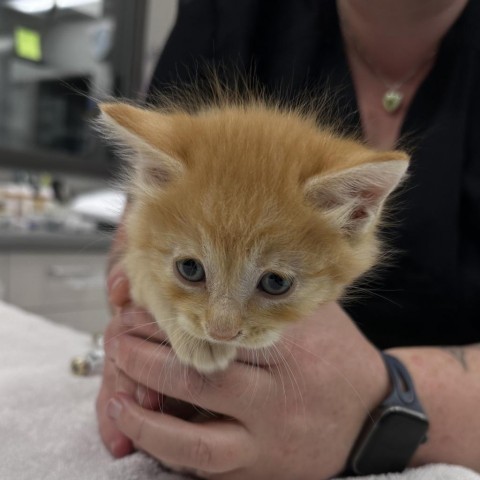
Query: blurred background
[[58, 200]]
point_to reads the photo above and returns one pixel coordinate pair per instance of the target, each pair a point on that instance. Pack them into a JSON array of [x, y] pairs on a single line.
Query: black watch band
[[395, 429]]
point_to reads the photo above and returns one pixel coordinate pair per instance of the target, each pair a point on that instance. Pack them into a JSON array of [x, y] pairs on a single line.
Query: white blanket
[[47, 418]]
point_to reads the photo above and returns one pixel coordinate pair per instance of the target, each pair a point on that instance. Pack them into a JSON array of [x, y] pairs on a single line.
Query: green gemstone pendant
[[392, 100]]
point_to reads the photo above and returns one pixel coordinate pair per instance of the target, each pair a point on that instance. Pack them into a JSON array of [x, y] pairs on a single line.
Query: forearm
[[447, 381]]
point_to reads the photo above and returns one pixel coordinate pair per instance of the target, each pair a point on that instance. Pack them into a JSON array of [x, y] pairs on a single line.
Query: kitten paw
[[204, 356]]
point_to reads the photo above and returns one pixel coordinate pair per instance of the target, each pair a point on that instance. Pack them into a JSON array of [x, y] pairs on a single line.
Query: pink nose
[[224, 335]]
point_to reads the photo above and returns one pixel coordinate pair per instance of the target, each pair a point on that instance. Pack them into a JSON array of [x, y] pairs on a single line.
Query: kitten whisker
[[251, 386], [292, 376], [158, 346], [266, 352], [166, 372], [355, 288], [337, 371], [214, 175], [166, 377], [157, 350], [128, 331], [131, 330], [275, 353]]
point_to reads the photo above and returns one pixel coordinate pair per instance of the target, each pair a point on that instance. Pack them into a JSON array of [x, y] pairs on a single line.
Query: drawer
[[91, 320], [39, 280]]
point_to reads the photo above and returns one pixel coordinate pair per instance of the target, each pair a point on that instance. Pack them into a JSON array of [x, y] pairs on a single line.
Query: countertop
[[65, 241]]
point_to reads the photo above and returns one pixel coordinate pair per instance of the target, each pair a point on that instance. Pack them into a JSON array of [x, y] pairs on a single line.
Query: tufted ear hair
[[142, 137], [353, 198]]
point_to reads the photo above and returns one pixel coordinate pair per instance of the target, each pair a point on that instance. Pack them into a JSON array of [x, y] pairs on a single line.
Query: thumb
[[118, 287]]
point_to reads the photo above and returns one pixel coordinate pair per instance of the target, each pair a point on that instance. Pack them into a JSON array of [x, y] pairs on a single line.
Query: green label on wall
[[28, 44]]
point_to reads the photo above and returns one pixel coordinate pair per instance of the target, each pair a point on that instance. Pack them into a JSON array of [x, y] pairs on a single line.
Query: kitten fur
[[245, 188]]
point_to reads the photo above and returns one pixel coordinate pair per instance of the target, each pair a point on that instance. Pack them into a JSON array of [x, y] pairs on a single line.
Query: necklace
[[393, 97]]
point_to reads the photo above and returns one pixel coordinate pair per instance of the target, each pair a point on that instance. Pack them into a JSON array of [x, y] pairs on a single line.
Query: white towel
[[47, 418]]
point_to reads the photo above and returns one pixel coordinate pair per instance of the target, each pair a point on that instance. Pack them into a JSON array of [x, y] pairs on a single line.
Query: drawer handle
[[70, 271]]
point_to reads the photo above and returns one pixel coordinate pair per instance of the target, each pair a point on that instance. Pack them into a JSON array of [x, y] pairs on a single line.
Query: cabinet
[[3, 277], [68, 288]]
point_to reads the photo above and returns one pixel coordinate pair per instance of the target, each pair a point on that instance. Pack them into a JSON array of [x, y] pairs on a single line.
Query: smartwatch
[[394, 430]]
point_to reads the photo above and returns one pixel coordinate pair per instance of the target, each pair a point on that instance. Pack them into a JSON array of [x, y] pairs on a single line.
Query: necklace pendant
[[392, 100]]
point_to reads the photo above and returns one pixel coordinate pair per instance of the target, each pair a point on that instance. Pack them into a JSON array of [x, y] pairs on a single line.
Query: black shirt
[[431, 293]]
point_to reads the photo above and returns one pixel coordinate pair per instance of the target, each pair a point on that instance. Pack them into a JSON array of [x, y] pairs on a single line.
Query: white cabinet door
[[54, 280], [67, 288], [87, 320]]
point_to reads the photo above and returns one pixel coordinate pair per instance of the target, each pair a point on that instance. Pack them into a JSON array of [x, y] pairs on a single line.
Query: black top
[[431, 295]]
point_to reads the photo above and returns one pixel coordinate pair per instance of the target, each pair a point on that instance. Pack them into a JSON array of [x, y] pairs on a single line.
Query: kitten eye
[[274, 284], [191, 270]]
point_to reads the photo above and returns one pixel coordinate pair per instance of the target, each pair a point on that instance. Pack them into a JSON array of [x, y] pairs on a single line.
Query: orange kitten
[[244, 218]]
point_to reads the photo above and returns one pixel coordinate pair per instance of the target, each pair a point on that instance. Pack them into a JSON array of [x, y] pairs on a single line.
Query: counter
[[55, 241]]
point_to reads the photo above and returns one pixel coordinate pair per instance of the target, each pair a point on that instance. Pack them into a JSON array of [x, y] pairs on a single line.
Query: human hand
[[118, 297], [127, 319], [291, 413]]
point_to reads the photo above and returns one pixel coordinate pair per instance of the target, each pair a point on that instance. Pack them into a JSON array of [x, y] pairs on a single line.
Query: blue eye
[[191, 270], [274, 284]]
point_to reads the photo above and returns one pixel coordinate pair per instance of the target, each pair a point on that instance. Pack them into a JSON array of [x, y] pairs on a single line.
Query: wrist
[[394, 429], [449, 393], [414, 359], [354, 378], [374, 388]]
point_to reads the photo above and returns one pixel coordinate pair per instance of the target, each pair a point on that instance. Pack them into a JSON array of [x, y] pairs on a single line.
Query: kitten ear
[[144, 136], [353, 198]]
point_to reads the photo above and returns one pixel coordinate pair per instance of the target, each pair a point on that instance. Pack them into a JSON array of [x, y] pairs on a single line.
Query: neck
[[398, 35]]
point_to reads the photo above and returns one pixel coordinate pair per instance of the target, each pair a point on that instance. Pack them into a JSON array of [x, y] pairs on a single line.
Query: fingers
[[213, 447], [129, 318], [136, 321], [156, 367], [118, 287], [114, 381], [126, 318], [116, 442]]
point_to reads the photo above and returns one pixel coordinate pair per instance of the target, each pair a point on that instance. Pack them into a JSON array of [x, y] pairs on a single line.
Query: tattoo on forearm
[[459, 354]]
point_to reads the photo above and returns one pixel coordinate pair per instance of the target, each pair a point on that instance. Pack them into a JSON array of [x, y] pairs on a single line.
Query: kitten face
[[239, 301], [215, 289], [244, 220]]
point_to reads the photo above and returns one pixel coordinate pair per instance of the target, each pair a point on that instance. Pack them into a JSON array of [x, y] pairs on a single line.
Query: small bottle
[[92, 362], [45, 195], [12, 200]]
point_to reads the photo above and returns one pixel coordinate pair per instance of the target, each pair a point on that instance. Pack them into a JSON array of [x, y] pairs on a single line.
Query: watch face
[[390, 442]]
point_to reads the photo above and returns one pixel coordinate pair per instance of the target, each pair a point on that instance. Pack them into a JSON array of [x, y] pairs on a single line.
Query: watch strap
[[380, 448], [403, 390]]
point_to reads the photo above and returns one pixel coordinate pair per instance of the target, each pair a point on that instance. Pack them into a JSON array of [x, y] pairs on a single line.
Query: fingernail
[[115, 447], [120, 447], [114, 408], [140, 394]]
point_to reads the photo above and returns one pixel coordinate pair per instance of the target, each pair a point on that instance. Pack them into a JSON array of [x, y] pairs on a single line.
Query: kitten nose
[[223, 335]]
